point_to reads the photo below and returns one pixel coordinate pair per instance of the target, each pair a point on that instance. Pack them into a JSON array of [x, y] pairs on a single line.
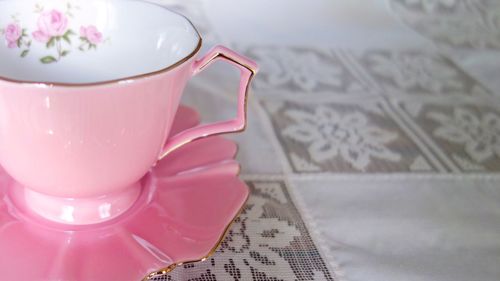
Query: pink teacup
[[88, 93]]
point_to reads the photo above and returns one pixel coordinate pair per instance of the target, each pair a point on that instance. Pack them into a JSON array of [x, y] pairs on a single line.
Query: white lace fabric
[[373, 145]]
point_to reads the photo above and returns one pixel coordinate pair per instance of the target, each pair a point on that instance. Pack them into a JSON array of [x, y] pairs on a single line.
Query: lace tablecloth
[[373, 143]]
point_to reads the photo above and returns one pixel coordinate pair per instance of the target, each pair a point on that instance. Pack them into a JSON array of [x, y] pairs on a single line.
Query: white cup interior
[[105, 40]]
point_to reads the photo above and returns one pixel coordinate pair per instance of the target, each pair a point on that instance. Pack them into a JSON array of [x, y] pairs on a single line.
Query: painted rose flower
[[91, 34], [50, 24], [13, 33]]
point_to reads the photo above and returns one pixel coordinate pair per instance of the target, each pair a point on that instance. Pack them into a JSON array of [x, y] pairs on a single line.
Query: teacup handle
[[248, 69]]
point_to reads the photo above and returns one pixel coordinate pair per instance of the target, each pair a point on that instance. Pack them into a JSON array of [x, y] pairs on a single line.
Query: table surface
[[373, 144]]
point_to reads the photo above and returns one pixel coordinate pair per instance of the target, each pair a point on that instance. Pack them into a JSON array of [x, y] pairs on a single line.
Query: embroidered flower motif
[[349, 136], [480, 135], [90, 37], [409, 71]]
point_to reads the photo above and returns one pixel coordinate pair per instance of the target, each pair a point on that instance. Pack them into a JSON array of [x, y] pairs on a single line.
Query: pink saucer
[[187, 203]]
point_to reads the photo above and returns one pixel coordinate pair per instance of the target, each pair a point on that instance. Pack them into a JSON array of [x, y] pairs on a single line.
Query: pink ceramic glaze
[[80, 143], [187, 203]]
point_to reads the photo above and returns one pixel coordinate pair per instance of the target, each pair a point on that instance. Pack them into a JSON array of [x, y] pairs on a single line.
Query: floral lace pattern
[[409, 72], [350, 136], [419, 73], [303, 71], [453, 23], [269, 241], [430, 5], [409, 97], [480, 135], [54, 32], [464, 135]]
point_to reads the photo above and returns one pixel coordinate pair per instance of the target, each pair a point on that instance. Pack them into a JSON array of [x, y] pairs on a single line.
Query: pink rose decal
[[53, 30], [50, 24], [16, 37], [89, 37], [40, 36], [13, 33], [91, 34]]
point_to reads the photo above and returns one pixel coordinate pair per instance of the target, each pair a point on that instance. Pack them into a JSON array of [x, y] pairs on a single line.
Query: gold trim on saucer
[[171, 267]]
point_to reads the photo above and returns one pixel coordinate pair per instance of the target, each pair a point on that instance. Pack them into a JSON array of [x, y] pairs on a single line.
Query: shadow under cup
[[88, 94]]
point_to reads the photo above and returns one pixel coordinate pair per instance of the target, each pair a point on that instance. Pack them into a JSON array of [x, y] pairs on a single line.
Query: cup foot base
[[81, 211]]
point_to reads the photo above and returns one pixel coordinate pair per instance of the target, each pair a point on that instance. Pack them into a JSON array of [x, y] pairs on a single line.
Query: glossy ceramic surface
[[186, 205], [88, 144]]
